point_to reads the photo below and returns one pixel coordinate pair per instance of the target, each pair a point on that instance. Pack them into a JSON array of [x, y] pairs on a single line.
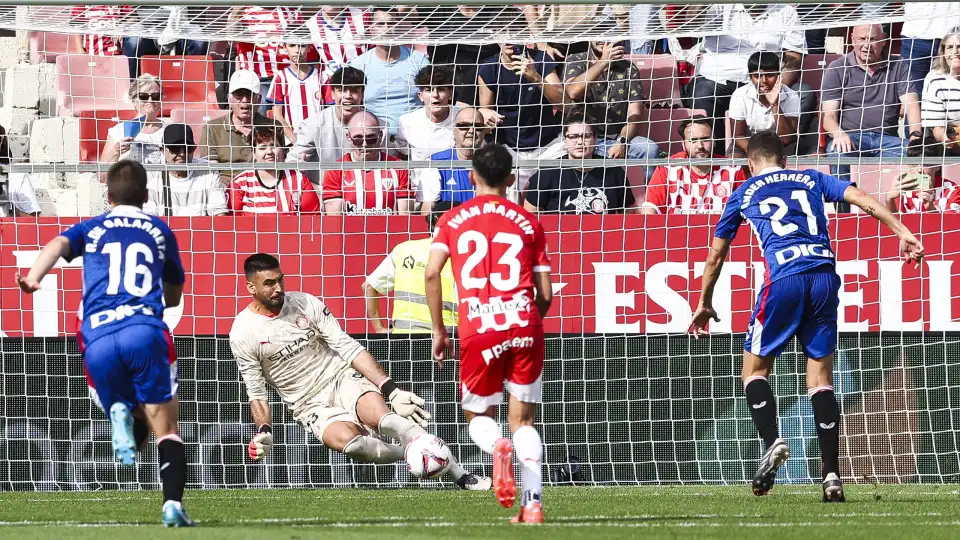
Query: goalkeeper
[[333, 386]]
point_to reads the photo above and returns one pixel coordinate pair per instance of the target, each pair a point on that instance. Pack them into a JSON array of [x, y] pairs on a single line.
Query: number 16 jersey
[[786, 212], [495, 247]]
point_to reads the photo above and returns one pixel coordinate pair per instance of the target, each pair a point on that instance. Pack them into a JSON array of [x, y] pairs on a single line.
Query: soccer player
[[333, 386], [499, 256], [131, 271], [799, 296]]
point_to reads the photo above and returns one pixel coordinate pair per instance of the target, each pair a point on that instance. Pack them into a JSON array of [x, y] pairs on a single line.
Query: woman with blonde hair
[[940, 108], [138, 138]]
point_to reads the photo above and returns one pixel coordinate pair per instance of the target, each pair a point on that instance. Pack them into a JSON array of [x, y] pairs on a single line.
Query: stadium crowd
[[350, 98]]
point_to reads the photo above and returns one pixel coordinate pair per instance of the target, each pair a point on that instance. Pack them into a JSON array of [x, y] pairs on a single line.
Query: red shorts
[[492, 360]]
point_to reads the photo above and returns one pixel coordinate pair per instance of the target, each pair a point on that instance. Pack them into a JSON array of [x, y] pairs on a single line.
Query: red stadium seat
[[45, 47], [187, 81], [658, 73], [196, 118], [90, 83], [93, 130], [877, 178], [813, 67], [662, 126]]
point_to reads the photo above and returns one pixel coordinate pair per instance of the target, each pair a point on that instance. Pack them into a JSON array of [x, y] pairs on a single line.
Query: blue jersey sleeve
[[77, 235], [173, 269], [833, 188], [731, 218]]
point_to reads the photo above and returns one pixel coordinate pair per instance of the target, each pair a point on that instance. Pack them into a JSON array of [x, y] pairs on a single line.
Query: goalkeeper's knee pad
[[372, 450]]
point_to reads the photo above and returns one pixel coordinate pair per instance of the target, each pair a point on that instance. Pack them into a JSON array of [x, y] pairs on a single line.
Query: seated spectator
[[692, 189], [138, 138], [295, 93], [863, 92], [372, 190], [262, 191], [266, 55], [338, 34], [577, 188], [429, 129], [610, 89], [764, 105], [723, 65], [195, 192], [228, 139], [390, 70], [925, 190], [447, 184], [940, 108], [135, 47], [322, 137], [101, 19], [521, 84]]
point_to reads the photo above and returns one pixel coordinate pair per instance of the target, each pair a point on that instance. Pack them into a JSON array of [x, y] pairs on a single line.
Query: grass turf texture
[[918, 511]]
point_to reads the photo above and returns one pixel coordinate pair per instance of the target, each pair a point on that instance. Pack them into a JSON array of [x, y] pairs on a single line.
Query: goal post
[[629, 397]]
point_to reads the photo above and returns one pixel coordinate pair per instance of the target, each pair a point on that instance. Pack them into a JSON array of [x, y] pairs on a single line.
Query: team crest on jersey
[[387, 181], [721, 190], [302, 321]]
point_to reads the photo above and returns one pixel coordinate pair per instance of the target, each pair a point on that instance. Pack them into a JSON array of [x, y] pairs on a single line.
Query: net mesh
[[628, 399]]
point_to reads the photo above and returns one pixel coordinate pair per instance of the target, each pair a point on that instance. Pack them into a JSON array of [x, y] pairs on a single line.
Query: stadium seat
[[93, 130], [658, 73], [196, 118], [813, 67], [45, 47], [662, 127], [952, 173], [187, 81], [877, 178], [89, 83]]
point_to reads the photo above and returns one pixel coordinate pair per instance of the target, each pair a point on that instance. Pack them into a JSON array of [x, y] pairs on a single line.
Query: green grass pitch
[[901, 512]]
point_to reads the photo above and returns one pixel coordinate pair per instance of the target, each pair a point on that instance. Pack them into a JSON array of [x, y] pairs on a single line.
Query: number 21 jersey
[[786, 212], [495, 247]]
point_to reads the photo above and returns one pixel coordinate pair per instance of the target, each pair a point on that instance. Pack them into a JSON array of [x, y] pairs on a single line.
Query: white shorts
[[339, 404]]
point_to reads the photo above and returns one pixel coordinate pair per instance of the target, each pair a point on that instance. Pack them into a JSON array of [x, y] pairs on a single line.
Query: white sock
[[484, 431], [400, 428], [529, 449]]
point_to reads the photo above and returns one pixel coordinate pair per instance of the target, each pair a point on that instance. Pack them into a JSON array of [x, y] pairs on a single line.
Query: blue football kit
[[127, 349], [800, 293]]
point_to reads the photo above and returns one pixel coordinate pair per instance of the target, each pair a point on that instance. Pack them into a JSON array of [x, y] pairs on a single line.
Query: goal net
[[627, 124]]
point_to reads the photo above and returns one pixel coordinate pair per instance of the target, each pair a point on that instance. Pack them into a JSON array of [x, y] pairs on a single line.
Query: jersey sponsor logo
[[497, 350], [803, 250], [118, 314], [409, 262], [499, 314], [294, 348]]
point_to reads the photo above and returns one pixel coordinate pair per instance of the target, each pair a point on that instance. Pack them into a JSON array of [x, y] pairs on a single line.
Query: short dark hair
[[438, 209], [766, 146], [695, 119], [763, 61], [258, 263], [348, 76], [493, 164], [127, 183], [265, 134], [577, 117], [432, 76]]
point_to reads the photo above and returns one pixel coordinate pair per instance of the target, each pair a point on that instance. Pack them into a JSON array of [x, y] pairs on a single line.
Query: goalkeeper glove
[[406, 404], [261, 443]]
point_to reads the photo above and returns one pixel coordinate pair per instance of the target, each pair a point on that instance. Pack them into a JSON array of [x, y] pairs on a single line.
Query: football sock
[[400, 428], [763, 408], [529, 450], [141, 431], [173, 467], [826, 414], [456, 470], [484, 432], [367, 449]]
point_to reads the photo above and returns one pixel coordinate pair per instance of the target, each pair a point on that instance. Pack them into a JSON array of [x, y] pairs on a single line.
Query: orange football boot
[[504, 485]]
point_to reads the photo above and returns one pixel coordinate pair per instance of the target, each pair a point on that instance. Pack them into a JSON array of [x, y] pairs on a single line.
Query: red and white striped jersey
[[678, 189], [337, 45], [101, 18], [301, 98], [367, 192], [268, 54], [912, 202], [293, 193]]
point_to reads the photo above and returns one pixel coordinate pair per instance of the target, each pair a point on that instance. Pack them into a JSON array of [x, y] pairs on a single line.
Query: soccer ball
[[428, 457]]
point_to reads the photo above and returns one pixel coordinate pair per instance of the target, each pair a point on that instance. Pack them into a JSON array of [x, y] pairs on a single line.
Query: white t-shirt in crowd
[[941, 100], [931, 27], [419, 138], [745, 105], [18, 194]]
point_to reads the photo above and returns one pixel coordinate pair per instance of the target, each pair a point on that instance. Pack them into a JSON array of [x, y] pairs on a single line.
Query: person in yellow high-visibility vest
[[402, 272]]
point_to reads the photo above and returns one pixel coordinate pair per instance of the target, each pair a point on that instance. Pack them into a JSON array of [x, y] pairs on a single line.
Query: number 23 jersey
[[786, 212], [495, 247]]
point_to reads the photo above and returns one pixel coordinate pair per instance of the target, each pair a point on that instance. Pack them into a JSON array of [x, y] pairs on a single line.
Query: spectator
[[924, 190], [138, 138], [464, 58], [135, 47], [366, 191], [390, 70], [262, 191], [764, 105], [578, 188], [940, 108], [447, 184], [920, 37], [266, 55], [638, 20], [723, 65], [296, 90], [100, 18], [614, 104], [429, 129], [228, 139], [195, 192], [863, 92], [323, 136], [692, 189], [522, 85], [338, 33]]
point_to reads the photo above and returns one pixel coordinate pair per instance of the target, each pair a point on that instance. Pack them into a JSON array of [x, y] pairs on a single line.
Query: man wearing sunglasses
[[448, 184], [370, 190]]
